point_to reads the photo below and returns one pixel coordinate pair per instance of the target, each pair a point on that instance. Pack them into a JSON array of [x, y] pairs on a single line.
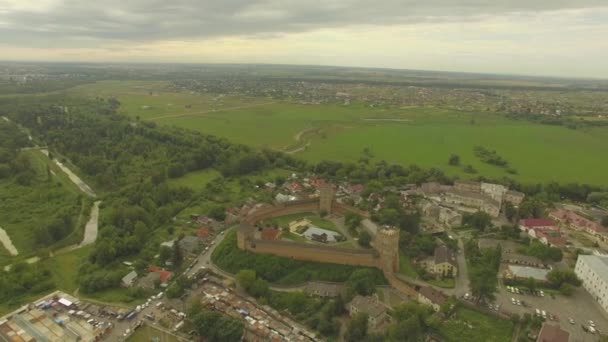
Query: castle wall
[[315, 253]]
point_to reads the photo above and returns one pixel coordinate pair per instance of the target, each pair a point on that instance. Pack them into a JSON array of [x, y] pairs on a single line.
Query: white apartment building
[[592, 270]]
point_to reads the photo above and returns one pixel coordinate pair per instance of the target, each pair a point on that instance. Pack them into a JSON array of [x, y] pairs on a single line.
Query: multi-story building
[[474, 201], [514, 197], [592, 270], [376, 312], [445, 262], [495, 191], [464, 185]]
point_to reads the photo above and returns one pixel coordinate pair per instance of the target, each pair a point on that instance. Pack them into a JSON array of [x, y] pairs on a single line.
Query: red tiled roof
[[296, 186], [164, 274], [552, 237], [270, 234], [552, 333], [577, 220], [202, 233], [535, 222]]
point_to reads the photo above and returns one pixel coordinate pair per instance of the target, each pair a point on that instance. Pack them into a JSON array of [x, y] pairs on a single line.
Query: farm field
[[425, 136]]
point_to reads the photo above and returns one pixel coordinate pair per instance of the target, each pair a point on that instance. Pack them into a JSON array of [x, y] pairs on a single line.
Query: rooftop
[[552, 333], [444, 254], [528, 272], [369, 305], [433, 295], [599, 264], [536, 222]]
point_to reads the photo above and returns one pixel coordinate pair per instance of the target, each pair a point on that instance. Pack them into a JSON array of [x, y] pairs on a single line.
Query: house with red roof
[[271, 234], [574, 221], [203, 233], [545, 230], [156, 276]]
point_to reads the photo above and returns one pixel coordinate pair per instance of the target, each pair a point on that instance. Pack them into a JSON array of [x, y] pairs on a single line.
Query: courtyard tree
[[357, 328], [365, 238]]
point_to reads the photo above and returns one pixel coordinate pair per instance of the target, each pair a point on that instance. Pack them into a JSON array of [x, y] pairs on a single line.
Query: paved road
[[462, 279], [90, 229]]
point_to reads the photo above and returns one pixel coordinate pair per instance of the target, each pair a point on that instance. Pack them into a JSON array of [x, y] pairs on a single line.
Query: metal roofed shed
[[525, 272]]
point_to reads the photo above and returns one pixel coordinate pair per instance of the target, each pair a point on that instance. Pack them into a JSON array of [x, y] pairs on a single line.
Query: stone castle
[[384, 254]]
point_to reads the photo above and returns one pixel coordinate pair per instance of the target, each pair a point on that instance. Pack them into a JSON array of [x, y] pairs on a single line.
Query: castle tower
[[326, 197], [243, 234], [387, 244]]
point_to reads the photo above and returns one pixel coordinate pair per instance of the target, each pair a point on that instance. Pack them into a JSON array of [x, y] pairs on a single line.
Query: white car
[[544, 314], [518, 302], [513, 301], [571, 320], [542, 293], [592, 323]]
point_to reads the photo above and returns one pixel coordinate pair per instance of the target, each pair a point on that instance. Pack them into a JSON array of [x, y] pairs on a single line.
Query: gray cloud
[[88, 22]]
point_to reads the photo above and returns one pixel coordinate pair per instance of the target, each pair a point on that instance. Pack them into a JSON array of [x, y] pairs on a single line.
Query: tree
[[566, 289], [531, 284], [176, 255], [454, 160], [357, 327], [362, 282], [605, 221], [365, 238], [510, 211], [217, 213], [246, 279], [479, 220], [483, 282], [557, 278]]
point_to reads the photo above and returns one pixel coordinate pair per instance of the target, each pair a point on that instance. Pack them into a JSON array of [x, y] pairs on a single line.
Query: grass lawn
[[484, 327], [148, 333], [293, 237], [315, 219], [447, 283], [195, 180], [65, 268], [406, 267]]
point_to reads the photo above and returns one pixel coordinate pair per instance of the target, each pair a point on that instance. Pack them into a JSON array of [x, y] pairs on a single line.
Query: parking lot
[[581, 307]]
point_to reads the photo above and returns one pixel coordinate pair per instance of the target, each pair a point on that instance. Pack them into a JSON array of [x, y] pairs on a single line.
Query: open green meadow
[[470, 325], [425, 136]]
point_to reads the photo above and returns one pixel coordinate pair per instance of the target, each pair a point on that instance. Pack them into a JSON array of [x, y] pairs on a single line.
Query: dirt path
[[210, 111], [84, 187], [8, 244], [90, 229]]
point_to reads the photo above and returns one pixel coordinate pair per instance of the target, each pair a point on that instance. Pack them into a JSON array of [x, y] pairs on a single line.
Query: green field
[[470, 325], [148, 333], [25, 207], [425, 136]]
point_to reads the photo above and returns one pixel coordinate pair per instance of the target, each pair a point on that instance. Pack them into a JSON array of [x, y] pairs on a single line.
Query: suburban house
[[552, 333], [445, 262], [430, 296], [543, 230], [324, 290], [129, 279], [592, 270], [203, 233], [375, 311]]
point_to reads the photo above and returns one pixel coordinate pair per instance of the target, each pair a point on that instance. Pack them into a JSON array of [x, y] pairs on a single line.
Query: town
[[551, 273]]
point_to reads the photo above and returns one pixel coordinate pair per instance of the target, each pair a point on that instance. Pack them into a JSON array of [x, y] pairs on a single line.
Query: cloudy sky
[[538, 37]]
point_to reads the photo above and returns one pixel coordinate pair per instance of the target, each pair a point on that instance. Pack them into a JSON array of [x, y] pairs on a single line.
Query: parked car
[[571, 320]]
